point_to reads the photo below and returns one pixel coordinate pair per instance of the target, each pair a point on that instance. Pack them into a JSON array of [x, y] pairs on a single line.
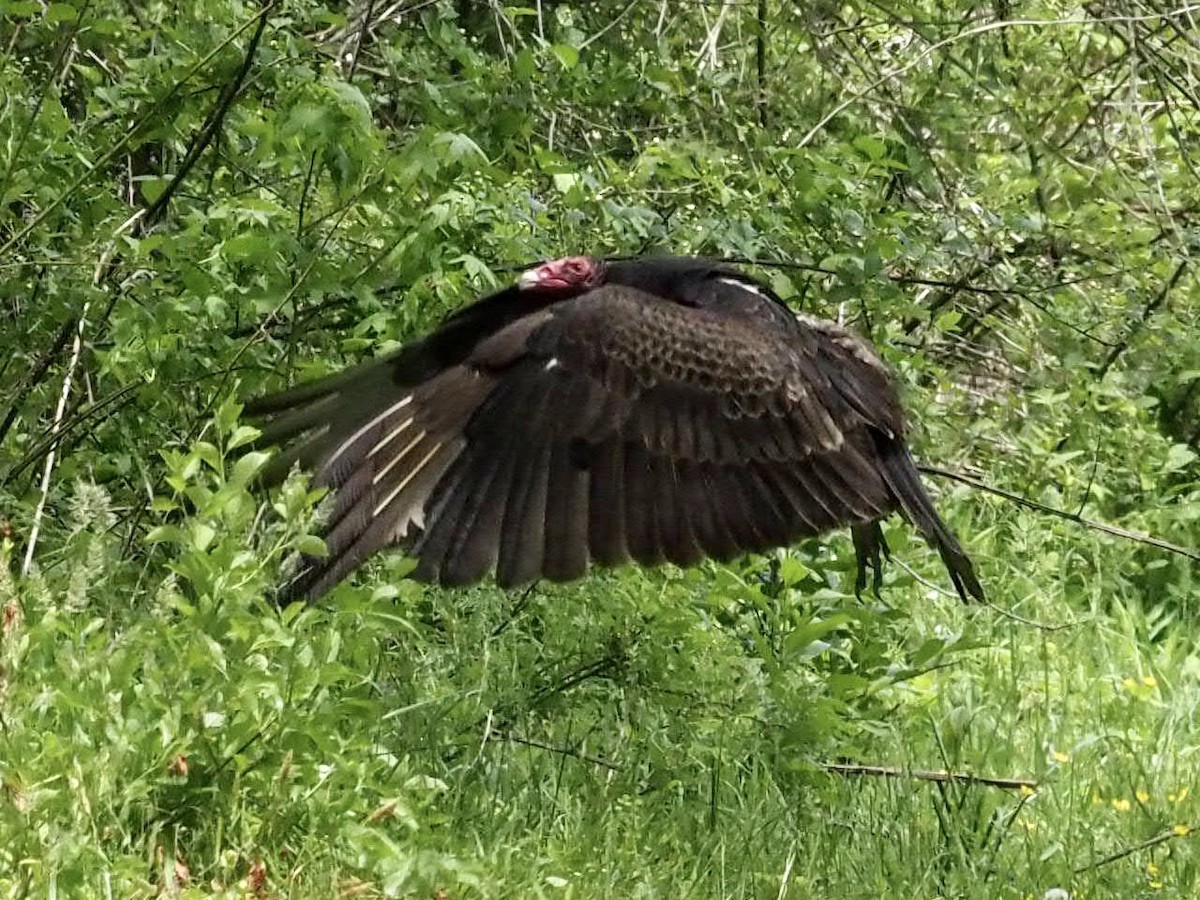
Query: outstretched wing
[[627, 428], [611, 427]]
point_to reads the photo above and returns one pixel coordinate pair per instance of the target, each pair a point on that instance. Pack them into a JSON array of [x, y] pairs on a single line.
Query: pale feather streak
[[407, 478], [391, 436], [744, 285], [353, 439], [382, 473]]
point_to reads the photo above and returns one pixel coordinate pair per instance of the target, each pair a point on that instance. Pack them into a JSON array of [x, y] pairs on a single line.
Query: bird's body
[[664, 409]]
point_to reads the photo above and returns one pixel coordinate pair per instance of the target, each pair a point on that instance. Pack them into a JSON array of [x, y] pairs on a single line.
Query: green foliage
[[192, 210]]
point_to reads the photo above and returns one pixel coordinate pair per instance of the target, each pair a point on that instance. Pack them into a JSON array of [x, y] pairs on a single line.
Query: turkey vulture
[[650, 410]]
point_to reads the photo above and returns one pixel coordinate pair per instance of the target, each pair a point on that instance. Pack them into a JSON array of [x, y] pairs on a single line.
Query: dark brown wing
[[612, 427], [312, 420], [627, 428]]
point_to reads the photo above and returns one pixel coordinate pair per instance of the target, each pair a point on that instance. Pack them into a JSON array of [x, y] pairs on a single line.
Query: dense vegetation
[[206, 200]]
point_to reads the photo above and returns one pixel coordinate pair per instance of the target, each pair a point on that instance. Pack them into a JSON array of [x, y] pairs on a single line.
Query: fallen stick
[[1008, 784]]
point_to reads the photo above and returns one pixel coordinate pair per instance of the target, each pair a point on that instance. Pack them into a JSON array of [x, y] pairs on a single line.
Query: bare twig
[[36, 373], [937, 776], [1032, 623], [496, 735], [1161, 838], [1026, 785], [1114, 530], [213, 123], [706, 56], [363, 27], [1150, 309], [59, 412], [1041, 626], [113, 402], [965, 35], [609, 27]]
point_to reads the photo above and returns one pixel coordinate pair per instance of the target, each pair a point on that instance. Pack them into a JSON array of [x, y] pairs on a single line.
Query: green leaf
[[61, 12], [870, 146], [311, 545], [21, 9], [524, 64], [459, 147], [247, 466], [202, 536], [165, 534], [209, 454], [565, 181], [243, 435], [152, 187], [567, 56], [248, 247], [1179, 456], [948, 320]]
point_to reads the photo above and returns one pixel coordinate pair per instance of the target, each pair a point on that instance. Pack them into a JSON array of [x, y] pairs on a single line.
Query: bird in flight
[[661, 409]]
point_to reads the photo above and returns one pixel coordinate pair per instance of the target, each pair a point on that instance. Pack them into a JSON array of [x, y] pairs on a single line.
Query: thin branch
[[152, 115], [609, 27], [1032, 623], [36, 373], [1161, 838], [68, 377], [1114, 530], [760, 61], [563, 751], [845, 769], [1137, 326], [69, 424], [213, 123], [970, 33], [1026, 785], [56, 69], [999, 610], [707, 56], [358, 40], [937, 776]]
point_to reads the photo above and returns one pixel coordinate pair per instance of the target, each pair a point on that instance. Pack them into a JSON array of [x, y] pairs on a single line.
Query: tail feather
[[901, 475]]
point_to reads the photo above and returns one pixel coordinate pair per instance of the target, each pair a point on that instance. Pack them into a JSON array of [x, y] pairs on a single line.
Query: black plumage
[[654, 410]]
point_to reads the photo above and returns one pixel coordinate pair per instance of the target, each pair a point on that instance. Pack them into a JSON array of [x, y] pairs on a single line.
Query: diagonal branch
[[1151, 307], [37, 371], [1114, 530], [213, 123], [1161, 838], [112, 152]]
